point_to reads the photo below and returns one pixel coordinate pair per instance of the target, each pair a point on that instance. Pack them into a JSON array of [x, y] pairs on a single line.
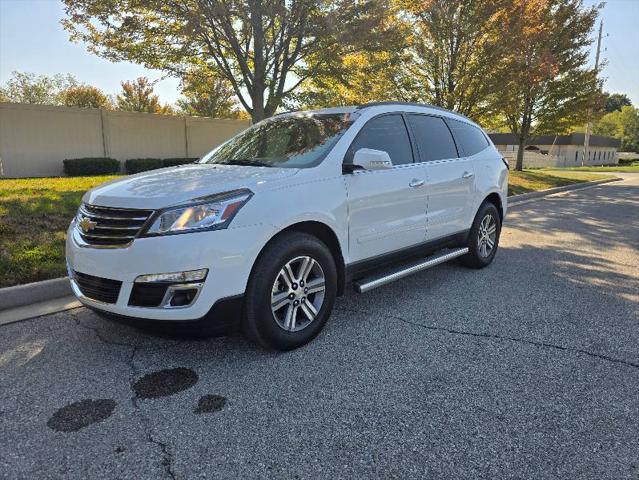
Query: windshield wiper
[[247, 162]]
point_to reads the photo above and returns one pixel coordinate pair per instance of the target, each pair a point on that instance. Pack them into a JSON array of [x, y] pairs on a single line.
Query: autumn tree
[[456, 49], [549, 86], [138, 96], [261, 47], [25, 87], [84, 96], [205, 95]]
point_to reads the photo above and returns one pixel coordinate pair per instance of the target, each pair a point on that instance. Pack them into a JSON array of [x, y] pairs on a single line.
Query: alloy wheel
[[298, 293], [487, 236]]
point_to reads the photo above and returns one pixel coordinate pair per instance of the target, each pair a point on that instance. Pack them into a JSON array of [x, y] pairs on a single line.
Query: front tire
[[483, 238], [291, 292]]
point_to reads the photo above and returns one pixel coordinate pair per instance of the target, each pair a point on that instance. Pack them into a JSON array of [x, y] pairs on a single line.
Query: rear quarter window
[[469, 138]]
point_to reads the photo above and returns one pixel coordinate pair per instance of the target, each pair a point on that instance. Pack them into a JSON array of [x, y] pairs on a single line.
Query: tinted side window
[[387, 133], [470, 138], [433, 138]]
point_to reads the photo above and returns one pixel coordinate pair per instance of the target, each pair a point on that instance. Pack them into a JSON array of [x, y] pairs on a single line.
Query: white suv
[[267, 229]]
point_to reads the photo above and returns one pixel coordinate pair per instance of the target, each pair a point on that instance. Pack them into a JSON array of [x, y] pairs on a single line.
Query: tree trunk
[[257, 114], [519, 166]]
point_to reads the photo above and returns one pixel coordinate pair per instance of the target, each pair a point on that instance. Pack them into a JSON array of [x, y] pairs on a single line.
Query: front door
[[387, 208]]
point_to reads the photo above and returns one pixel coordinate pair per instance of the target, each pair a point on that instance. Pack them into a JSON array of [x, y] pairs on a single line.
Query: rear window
[[433, 138], [469, 138]]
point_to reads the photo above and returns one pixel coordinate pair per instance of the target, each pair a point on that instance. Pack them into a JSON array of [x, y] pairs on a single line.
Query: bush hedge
[[77, 167], [136, 165]]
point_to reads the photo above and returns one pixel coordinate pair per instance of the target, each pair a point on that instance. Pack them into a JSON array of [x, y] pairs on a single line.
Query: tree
[[262, 47], [84, 96], [549, 86], [25, 87], [207, 96], [138, 96], [456, 50], [355, 79], [622, 124], [614, 102]]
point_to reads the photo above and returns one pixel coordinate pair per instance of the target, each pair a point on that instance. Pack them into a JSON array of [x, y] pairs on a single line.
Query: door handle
[[416, 183], [468, 175]]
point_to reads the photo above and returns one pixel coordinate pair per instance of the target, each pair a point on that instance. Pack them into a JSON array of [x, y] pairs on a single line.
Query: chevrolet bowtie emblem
[[86, 224]]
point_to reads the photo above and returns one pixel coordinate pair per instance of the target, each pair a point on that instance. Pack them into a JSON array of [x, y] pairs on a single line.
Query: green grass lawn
[[35, 213], [34, 216], [609, 168], [534, 180]]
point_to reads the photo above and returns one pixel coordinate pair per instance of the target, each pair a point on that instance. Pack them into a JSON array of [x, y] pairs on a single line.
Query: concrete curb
[[20, 295], [516, 199]]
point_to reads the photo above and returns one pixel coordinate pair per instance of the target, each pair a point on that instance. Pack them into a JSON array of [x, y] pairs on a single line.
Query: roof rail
[[413, 104]]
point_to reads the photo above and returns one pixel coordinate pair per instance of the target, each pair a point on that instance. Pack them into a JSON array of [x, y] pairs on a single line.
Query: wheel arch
[[495, 199], [324, 233]]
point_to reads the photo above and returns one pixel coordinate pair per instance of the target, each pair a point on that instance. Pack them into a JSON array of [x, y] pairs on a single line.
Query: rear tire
[[291, 292], [483, 238]]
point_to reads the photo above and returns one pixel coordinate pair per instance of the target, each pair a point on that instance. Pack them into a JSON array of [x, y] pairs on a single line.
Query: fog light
[[177, 277], [181, 298]]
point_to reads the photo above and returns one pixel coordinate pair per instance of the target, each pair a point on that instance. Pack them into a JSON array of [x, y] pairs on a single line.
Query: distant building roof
[[572, 139]]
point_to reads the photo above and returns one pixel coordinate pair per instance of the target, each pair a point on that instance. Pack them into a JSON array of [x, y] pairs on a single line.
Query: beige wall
[[34, 139]]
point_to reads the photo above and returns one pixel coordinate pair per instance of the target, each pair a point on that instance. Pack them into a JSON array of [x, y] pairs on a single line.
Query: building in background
[[559, 150]]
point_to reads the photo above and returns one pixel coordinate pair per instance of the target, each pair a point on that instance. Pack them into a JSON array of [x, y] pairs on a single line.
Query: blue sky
[[32, 40]]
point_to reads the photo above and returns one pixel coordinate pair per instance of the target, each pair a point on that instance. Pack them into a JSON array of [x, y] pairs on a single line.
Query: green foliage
[[614, 102], [206, 95], [85, 96], [623, 125], [77, 167], [24, 87]]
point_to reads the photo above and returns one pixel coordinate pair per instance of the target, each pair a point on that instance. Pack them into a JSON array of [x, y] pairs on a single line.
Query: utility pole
[[589, 125]]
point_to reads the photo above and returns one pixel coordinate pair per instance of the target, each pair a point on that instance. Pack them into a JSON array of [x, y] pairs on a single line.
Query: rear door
[[449, 176], [387, 208]]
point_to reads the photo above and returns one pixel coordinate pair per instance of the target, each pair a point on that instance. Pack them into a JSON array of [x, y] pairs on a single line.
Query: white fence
[[534, 159], [34, 139]]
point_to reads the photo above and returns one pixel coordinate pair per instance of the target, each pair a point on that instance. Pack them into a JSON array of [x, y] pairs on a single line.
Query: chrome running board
[[366, 284]]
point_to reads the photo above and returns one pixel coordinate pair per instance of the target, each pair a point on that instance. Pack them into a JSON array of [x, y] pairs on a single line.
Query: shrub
[[627, 162], [173, 162], [136, 165], [77, 167]]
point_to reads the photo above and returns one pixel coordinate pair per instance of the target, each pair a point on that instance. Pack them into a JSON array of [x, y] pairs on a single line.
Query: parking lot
[[526, 369]]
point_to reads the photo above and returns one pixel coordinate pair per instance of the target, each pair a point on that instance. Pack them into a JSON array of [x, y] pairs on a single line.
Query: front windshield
[[291, 141]]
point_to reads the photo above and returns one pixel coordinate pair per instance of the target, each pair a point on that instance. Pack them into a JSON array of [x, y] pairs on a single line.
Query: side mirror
[[370, 159]]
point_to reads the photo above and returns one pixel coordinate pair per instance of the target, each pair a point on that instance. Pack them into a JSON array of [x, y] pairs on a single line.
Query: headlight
[[207, 214]]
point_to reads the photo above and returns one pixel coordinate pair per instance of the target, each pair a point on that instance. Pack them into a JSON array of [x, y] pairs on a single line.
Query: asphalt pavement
[[526, 369]]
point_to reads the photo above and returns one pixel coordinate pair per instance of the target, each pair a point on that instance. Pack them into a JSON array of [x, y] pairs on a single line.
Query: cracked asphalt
[[526, 369]]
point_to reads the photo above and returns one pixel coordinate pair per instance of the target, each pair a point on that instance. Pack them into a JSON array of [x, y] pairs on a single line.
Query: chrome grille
[[110, 226]]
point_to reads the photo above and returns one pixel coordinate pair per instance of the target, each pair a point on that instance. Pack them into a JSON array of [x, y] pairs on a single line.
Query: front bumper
[[228, 254]]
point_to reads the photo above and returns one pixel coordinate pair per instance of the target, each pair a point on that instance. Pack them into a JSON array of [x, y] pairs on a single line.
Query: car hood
[[170, 186]]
